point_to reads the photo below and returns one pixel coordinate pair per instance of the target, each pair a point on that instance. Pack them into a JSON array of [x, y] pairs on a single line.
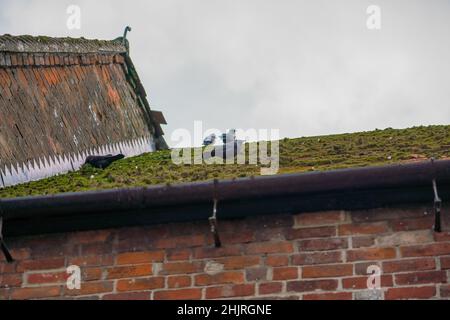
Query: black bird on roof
[[103, 162]]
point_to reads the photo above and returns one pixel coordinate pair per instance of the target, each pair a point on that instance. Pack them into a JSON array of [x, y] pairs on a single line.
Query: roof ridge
[[46, 44]]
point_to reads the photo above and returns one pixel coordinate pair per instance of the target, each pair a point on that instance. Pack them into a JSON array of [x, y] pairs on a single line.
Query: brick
[[91, 261], [83, 298], [361, 268], [40, 264], [10, 280], [139, 257], [329, 296], [4, 293], [286, 273], [129, 271], [269, 247], [410, 293], [140, 284], [181, 241], [371, 254], [408, 265], [312, 285], [181, 294], [204, 253], [142, 234], [181, 267], [322, 244], [178, 254], [365, 241], [48, 277], [8, 267], [270, 287], [327, 271], [305, 233], [89, 274], [441, 236], [445, 291], [386, 214], [85, 237], [317, 258], [421, 277], [186, 229], [277, 261], [96, 248], [263, 221], [435, 249], [363, 228], [127, 296], [179, 281], [88, 288], [445, 263], [361, 282], [318, 218], [413, 224], [35, 293], [230, 277], [244, 237], [240, 262], [268, 234], [256, 274], [19, 254], [229, 291], [405, 238]]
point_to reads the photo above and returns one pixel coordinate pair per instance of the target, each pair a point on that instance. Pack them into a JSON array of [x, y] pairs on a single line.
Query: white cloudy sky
[[304, 67]]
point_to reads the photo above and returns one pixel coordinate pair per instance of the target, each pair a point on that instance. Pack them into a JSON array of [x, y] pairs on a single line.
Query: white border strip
[[45, 167]]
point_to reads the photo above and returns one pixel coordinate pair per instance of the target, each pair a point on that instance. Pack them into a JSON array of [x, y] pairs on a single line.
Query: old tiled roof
[[62, 99]]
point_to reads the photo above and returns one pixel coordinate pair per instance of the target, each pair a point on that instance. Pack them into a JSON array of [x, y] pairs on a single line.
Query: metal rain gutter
[[346, 189]]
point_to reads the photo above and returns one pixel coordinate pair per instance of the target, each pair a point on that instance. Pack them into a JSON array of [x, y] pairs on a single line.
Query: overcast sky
[[304, 67]]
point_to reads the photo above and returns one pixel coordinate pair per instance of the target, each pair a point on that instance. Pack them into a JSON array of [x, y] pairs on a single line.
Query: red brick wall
[[306, 256]]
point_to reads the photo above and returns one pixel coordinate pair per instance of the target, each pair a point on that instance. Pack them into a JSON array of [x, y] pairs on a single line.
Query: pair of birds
[[230, 146], [230, 136]]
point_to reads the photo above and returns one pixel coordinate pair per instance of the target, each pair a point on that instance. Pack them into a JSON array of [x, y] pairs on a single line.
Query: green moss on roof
[[377, 147]]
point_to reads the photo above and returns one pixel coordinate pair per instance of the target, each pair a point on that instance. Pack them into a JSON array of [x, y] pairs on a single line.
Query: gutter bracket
[[214, 227], [3, 246], [437, 208]]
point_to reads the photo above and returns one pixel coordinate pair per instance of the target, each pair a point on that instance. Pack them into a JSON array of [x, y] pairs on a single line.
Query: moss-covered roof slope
[[371, 148]]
